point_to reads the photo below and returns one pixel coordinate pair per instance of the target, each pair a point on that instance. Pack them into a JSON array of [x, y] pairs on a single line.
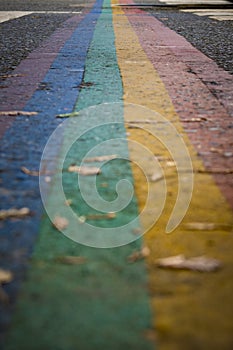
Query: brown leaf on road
[[15, 113], [14, 213], [71, 260], [29, 172], [138, 255], [83, 170], [207, 226], [214, 171], [11, 76], [156, 177], [6, 276], [100, 158], [34, 172], [199, 263], [68, 202], [192, 120], [60, 222], [108, 216], [68, 115]]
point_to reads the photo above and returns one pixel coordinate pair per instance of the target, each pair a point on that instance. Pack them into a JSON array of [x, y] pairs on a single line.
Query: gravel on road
[[212, 37], [20, 36]]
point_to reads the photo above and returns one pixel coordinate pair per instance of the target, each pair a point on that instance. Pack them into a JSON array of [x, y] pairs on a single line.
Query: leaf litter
[[67, 115], [108, 216], [101, 158], [180, 262], [60, 222], [207, 226], [143, 253], [29, 172], [14, 213], [6, 276], [33, 172], [16, 113], [71, 260], [83, 170], [156, 177]]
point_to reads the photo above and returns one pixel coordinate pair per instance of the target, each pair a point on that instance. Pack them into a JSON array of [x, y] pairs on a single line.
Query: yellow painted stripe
[[189, 307]]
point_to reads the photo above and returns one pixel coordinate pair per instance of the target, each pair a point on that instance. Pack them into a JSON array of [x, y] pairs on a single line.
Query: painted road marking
[[86, 293], [175, 307], [103, 303], [220, 15], [217, 14], [8, 15]]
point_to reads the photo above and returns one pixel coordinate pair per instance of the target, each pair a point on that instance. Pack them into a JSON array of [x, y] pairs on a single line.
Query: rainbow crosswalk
[[117, 298]]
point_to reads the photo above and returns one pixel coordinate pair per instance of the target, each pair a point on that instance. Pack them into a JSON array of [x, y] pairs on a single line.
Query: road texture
[[145, 81]]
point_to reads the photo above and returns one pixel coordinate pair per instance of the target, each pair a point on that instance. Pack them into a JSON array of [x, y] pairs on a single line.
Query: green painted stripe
[[103, 303]]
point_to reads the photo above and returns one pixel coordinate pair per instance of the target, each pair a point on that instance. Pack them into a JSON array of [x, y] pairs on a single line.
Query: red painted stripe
[[32, 70], [197, 88]]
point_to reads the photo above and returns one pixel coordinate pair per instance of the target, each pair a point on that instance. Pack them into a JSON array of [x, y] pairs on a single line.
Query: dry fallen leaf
[[200, 263], [67, 115], [68, 202], [138, 255], [47, 179], [227, 154], [170, 163], [191, 120], [215, 150], [11, 76], [156, 177], [101, 158], [200, 226], [60, 223], [109, 216], [14, 213], [207, 226], [29, 172], [83, 170], [82, 219], [71, 260], [214, 171], [15, 113], [35, 172], [6, 276]]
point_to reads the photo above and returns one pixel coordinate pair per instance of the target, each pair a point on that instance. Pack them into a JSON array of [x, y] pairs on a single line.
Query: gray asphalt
[[214, 38], [42, 5]]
